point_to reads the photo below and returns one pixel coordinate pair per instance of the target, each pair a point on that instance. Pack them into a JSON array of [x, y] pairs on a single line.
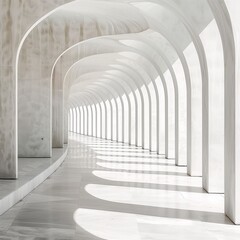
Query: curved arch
[[121, 104], [92, 96], [75, 63], [128, 100], [112, 77], [150, 59], [133, 23], [138, 53]]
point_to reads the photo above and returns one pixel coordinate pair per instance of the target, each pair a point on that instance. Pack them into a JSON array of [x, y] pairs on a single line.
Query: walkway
[[111, 191]]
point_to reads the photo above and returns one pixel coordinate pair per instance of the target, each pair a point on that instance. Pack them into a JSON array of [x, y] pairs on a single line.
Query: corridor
[[113, 191]]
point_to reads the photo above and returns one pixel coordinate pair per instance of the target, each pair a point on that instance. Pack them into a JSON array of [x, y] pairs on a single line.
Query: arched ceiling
[[143, 39], [136, 28]]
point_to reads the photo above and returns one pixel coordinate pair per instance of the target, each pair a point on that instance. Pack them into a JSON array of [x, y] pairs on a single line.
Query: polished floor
[[106, 190], [31, 173]]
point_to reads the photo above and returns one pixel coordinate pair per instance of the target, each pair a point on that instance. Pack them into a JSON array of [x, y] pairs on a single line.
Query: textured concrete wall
[[16, 18]]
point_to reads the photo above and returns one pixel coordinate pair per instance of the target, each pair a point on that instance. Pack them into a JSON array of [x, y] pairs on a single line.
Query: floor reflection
[[112, 191]]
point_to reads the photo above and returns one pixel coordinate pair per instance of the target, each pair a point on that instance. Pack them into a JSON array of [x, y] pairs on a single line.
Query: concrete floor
[[111, 191]]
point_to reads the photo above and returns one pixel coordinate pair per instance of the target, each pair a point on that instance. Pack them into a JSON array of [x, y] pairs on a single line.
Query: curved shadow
[[165, 199]]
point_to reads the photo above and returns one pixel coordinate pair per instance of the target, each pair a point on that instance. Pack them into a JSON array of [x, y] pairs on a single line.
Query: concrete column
[[227, 17], [213, 167]]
